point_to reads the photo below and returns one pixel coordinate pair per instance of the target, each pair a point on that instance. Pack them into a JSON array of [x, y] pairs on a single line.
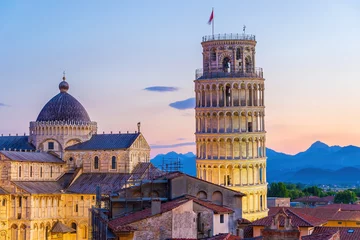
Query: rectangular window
[[221, 218], [76, 208], [30, 171], [51, 145], [20, 201], [51, 171], [339, 222]]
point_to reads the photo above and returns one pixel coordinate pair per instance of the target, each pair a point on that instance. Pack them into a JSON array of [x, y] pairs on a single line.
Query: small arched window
[[76, 207], [73, 226], [41, 172], [113, 162], [238, 54], [19, 171], [213, 55], [51, 171], [4, 202], [96, 162], [31, 171]]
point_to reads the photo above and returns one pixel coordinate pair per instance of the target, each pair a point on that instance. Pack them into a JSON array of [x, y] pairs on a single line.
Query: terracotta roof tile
[[343, 207], [346, 215], [321, 236], [216, 208], [173, 175], [321, 213], [116, 224], [224, 236], [346, 233], [298, 219]]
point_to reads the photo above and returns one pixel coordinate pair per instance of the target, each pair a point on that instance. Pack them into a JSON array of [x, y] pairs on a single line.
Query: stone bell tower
[[230, 126]]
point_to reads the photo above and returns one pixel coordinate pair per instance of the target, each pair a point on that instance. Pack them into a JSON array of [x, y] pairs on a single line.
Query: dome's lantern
[[63, 107]]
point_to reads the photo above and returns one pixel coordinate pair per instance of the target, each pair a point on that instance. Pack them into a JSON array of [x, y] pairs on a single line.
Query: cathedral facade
[[230, 114], [48, 179]]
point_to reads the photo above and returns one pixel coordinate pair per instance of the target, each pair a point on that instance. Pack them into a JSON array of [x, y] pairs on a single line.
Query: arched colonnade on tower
[[233, 175], [230, 94], [230, 121], [230, 148]]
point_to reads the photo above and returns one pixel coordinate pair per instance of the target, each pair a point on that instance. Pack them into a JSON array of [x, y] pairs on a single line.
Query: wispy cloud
[[4, 105], [184, 104], [161, 89], [173, 145]]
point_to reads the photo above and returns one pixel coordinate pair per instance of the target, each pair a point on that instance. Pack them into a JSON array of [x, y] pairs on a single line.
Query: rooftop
[[229, 36], [106, 142], [298, 219], [15, 142], [31, 157], [116, 224], [39, 187], [346, 233]]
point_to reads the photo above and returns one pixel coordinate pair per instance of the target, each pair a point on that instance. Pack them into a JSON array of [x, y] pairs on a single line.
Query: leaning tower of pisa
[[230, 126]]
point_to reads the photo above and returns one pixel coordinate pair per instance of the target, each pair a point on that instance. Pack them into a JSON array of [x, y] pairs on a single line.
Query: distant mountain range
[[320, 163]]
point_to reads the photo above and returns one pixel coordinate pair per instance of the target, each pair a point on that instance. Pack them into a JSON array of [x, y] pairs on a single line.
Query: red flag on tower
[[211, 17]]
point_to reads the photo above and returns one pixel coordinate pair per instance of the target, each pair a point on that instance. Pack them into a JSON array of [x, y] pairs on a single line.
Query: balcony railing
[[229, 36], [220, 73]]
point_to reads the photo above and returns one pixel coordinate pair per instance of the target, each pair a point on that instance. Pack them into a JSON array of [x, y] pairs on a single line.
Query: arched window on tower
[[113, 162], [41, 172], [261, 175], [96, 162], [213, 55], [248, 64], [31, 171], [238, 54], [73, 226], [19, 171], [226, 64]]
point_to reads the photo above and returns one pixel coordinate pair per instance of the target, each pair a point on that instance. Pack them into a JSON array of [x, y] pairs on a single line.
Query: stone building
[[210, 210], [48, 179], [230, 120]]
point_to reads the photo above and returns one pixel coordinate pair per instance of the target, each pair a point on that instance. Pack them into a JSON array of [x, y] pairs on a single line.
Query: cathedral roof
[[15, 142], [39, 187], [61, 228], [63, 107], [31, 157], [106, 142]]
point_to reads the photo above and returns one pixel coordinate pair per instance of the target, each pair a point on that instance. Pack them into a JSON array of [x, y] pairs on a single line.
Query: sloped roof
[[39, 187], [61, 228], [116, 224], [86, 183], [346, 215], [322, 213], [15, 142], [32, 157], [2, 191], [297, 219], [216, 208], [106, 142], [224, 236], [346, 233], [343, 207], [173, 175], [321, 236], [144, 168]]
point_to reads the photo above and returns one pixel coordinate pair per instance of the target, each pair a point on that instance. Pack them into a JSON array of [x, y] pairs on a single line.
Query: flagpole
[[213, 22]]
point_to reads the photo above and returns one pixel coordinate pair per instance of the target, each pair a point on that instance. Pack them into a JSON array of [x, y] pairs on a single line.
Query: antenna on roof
[[139, 125]]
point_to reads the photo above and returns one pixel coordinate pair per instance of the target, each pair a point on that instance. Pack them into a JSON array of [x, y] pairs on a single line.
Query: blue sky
[[113, 50]]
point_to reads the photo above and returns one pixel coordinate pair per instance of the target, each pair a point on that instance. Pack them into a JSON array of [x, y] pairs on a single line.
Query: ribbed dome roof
[[63, 107]]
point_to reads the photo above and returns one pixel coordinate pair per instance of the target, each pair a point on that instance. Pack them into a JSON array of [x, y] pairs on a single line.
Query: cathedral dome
[[63, 107]]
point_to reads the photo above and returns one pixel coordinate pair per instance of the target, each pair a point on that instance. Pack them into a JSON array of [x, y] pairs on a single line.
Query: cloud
[[173, 145], [3, 105], [184, 104], [181, 139], [161, 89]]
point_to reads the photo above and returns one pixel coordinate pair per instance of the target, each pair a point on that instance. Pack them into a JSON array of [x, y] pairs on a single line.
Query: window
[[31, 171], [213, 55], [71, 159], [221, 218], [19, 171], [50, 171], [4, 202], [76, 207], [20, 201], [339, 222], [82, 197], [261, 202], [40, 171], [51, 145], [96, 162], [73, 226], [113, 162], [238, 55]]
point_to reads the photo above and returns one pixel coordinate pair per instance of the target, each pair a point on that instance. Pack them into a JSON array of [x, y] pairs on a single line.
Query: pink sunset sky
[[113, 51]]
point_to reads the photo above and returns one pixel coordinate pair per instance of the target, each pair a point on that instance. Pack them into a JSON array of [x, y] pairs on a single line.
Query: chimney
[[155, 206]]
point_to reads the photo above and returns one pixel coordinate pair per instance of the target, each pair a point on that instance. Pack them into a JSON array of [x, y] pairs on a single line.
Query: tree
[[345, 197], [278, 190]]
